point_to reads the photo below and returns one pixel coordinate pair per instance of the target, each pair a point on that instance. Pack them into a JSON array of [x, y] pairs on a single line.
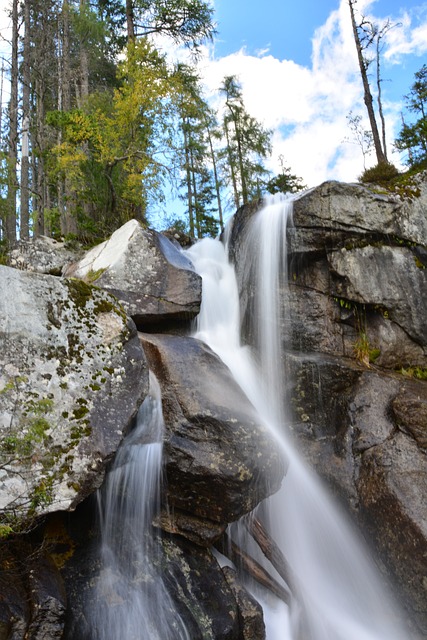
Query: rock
[[386, 277], [33, 601], [410, 411], [354, 321], [392, 486], [339, 212], [72, 375], [196, 586], [152, 279], [200, 591], [42, 255], [251, 617], [220, 462]]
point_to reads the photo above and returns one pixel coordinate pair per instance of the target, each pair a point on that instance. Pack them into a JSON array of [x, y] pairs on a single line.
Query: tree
[[360, 136], [198, 156], [285, 181], [413, 137], [248, 143], [188, 22], [363, 66], [12, 152], [113, 151]]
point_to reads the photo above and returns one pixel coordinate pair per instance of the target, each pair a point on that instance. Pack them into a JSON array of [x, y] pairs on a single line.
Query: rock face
[[148, 274], [72, 375], [356, 340], [42, 255], [220, 462]]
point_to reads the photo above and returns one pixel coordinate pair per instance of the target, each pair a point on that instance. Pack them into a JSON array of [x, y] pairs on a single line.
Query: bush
[[382, 173]]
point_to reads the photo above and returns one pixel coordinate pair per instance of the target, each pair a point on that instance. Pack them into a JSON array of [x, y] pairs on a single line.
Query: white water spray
[[131, 601], [340, 597]]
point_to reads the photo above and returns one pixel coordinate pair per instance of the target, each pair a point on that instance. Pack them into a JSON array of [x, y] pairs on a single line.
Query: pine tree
[[413, 137], [248, 144]]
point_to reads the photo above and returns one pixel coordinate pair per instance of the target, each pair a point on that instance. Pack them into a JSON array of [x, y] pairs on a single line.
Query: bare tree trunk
[[188, 179], [12, 185], [381, 158], [231, 164], [25, 159], [39, 228], [379, 97], [130, 21], [216, 178]]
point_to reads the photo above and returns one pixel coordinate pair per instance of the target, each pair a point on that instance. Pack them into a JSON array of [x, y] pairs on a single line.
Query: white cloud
[[307, 106]]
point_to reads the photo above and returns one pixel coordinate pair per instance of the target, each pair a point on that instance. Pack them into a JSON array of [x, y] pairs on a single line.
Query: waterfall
[[340, 596], [131, 600]]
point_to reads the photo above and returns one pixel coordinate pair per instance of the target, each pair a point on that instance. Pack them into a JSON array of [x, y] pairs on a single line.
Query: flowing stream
[[131, 601], [340, 595]]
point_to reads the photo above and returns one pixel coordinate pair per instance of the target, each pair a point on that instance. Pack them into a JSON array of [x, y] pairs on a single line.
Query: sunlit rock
[[148, 274], [42, 255], [72, 375]]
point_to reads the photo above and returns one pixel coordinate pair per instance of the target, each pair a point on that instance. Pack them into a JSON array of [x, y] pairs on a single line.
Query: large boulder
[[150, 276], [72, 375], [220, 461], [42, 255]]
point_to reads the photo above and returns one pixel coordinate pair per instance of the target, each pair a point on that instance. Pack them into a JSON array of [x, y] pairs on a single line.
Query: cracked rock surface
[[356, 343]]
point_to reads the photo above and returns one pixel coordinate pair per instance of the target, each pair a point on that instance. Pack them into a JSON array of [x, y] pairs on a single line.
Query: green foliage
[[413, 137], [414, 372], [189, 22], [248, 144], [108, 150], [285, 181], [382, 174]]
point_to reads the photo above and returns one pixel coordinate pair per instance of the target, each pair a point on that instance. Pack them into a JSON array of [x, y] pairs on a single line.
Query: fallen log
[[272, 552], [240, 558]]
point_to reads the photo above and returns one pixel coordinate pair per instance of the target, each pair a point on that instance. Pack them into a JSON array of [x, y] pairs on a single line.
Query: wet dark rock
[[220, 462], [354, 330], [33, 600], [250, 612]]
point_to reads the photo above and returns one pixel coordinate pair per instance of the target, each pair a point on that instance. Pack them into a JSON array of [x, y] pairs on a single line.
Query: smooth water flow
[[340, 596], [131, 600]]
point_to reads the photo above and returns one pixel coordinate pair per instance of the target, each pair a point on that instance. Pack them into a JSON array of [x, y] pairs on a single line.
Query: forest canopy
[[102, 124]]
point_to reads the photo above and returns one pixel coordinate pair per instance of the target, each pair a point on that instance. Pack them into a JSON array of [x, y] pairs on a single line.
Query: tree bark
[[381, 158], [216, 179], [25, 159], [253, 568], [12, 185], [130, 21], [231, 165]]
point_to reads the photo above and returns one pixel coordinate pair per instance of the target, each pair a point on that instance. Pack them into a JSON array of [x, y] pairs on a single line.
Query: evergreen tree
[[248, 144], [285, 181], [198, 157], [413, 137]]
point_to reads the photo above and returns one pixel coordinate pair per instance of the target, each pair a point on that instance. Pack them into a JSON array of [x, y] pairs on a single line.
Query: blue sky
[[298, 67], [297, 64]]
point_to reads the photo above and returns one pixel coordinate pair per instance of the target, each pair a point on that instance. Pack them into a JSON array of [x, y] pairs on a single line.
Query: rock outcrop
[[220, 462], [73, 372], [356, 349], [72, 375], [153, 280]]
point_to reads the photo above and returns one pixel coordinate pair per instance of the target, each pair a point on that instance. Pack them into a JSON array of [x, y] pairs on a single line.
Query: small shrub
[[382, 174]]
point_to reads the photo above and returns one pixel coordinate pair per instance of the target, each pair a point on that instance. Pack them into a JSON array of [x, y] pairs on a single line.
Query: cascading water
[[340, 596], [131, 601]]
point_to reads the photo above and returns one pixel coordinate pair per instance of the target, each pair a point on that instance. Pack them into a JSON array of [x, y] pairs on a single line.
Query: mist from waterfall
[[339, 595], [131, 600]]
